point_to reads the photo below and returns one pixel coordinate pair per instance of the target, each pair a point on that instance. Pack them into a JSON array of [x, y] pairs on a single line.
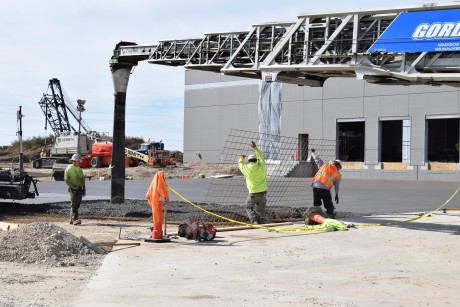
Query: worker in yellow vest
[[256, 182], [75, 180], [327, 176]]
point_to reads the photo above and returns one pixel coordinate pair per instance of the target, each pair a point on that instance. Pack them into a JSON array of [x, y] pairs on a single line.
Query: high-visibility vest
[[327, 175]]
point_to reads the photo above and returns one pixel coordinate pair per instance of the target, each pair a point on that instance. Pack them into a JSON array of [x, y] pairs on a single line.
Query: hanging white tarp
[[270, 119]]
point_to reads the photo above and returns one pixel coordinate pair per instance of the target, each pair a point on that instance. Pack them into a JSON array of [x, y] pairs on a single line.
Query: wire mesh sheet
[[289, 173], [288, 170]]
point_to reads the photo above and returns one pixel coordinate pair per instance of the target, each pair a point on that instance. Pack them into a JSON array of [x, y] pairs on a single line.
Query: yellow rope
[[311, 227], [304, 228], [415, 218]]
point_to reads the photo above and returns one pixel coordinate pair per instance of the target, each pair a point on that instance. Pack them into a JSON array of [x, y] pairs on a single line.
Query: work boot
[[77, 222], [331, 215]]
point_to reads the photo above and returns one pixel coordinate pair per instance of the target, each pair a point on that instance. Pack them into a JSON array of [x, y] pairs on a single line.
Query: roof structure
[[379, 46]]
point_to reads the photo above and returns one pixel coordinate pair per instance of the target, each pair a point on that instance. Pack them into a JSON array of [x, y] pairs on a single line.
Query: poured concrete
[[409, 264]]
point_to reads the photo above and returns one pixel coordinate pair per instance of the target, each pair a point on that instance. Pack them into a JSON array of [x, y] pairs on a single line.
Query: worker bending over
[[256, 182], [328, 175]]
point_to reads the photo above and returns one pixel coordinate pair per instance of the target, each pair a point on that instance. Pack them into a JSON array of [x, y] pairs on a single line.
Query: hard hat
[[339, 162], [76, 157], [252, 157]]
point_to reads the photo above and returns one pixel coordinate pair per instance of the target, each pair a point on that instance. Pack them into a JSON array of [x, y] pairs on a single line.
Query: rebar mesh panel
[[288, 177]]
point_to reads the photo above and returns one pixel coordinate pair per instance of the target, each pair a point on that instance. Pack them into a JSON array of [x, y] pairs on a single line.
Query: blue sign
[[426, 31]]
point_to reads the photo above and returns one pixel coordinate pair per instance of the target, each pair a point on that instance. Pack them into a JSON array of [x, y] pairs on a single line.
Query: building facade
[[382, 131]]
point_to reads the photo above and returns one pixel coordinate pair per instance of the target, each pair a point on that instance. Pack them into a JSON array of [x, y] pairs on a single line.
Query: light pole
[[80, 109]]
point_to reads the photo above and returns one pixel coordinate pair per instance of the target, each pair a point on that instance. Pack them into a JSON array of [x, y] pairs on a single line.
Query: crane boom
[[55, 108]]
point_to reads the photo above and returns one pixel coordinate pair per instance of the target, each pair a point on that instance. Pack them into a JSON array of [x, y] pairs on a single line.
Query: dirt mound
[[42, 243]]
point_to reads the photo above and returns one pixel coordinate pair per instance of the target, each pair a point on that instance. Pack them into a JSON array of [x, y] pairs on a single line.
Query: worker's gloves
[[243, 156], [312, 150], [253, 145], [336, 198]]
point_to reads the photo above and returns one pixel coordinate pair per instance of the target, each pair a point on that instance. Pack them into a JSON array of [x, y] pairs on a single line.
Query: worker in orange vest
[[327, 176]]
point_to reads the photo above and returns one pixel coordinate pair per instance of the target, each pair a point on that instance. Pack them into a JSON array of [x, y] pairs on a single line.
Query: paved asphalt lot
[[358, 196]]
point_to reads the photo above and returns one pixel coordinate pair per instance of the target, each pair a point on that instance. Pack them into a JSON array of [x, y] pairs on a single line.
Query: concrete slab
[[410, 264]]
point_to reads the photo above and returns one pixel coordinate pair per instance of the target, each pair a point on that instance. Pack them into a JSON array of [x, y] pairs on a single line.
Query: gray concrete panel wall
[[292, 92], [313, 119], [292, 118], [201, 77], [442, 103], [371, 106], [417, 111], [230, 102], [342, 88], [202, 97], [394, 105], [213, 105]]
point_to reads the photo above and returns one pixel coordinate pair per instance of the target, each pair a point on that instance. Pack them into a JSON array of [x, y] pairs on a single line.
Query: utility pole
[[21, 155], [80, 108]]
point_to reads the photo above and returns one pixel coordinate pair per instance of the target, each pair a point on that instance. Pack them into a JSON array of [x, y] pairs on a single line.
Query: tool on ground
[[198, 231]]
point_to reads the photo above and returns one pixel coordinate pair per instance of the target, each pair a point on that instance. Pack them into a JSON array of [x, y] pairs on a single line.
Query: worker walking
[[75, 180], [256, 182], [328, 175]]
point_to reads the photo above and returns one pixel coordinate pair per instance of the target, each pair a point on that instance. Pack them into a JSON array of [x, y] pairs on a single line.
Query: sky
[[74, 40]]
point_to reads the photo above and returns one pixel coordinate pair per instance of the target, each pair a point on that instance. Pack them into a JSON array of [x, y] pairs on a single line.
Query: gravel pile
[[43, 243]]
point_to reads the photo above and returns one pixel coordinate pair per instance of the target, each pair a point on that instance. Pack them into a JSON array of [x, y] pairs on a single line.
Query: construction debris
[[43, 243]]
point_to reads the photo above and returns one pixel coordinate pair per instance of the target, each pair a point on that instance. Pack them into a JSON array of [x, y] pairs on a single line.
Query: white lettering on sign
[[437, 30]]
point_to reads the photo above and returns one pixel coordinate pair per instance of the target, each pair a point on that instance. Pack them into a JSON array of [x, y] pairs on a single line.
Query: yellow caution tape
[[412, 219], [312, 227], [303, 228]]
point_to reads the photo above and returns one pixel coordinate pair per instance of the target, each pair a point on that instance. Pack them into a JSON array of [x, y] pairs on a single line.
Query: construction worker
[[44, 153], [256, 182], [75, 180], [328, 175]]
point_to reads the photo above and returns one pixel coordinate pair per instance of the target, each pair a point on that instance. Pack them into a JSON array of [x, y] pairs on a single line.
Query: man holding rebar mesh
[[256, 182], [327, 176]]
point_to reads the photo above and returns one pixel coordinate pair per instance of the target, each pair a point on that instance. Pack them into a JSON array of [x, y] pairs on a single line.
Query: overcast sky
[[73, 42]]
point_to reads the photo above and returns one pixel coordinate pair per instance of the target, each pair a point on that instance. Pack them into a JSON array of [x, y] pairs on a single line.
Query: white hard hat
[[252, 157], [338, 162], [76, 157]]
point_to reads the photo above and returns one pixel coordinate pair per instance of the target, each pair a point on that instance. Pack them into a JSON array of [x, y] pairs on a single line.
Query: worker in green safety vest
[[75, 180], [256, 182]]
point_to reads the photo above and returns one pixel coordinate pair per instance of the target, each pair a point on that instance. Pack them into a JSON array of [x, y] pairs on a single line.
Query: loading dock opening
[[351, 141], [443, 140], [391, 145]]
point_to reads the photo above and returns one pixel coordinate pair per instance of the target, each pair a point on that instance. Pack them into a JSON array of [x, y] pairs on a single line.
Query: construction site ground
[[414, 263]]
